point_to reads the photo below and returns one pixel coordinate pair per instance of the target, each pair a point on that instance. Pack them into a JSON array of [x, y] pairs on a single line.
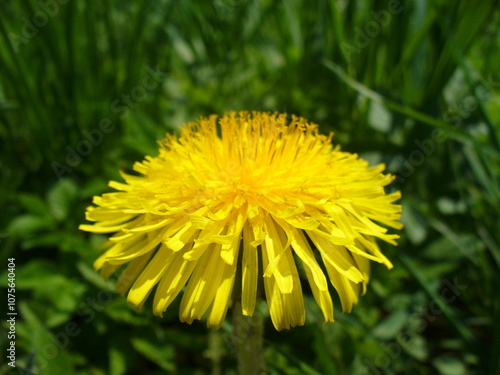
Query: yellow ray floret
[[248, 196]]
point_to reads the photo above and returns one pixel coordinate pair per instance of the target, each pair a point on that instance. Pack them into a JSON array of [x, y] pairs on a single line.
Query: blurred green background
[[87, 88]]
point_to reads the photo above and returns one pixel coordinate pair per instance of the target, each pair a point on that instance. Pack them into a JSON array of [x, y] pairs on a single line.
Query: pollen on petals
[[246, 195]]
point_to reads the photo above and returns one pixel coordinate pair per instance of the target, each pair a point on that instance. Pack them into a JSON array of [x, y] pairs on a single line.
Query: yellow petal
[[185, 235], [149, 277], [280, 262], [344, 287], [222, 298], [337, 256], [287, 310], [174, 278], [129, 274], [203, 285], [305, 253], [151, 241], [250, 265]]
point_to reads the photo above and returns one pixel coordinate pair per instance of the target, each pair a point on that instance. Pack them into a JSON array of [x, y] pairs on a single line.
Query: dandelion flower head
[[254, 196]]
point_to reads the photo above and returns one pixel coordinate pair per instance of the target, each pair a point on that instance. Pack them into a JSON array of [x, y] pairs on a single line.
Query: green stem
[[215, 351], [248, 337]]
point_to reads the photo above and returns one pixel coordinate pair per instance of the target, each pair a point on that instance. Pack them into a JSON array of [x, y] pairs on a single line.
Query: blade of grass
[[482, 177], [495, 351], [469, 20], [135, 41], [490, 243], [417, 39], [110, 30], [454, 239], [338, 26], [463, 331], [450, 131], [25, 94], [459, 57]]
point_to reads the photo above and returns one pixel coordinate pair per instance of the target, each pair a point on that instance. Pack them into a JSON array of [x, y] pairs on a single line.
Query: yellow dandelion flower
[[247, 194]]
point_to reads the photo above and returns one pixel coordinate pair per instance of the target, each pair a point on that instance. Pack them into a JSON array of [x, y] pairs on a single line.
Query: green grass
[[419, 90]]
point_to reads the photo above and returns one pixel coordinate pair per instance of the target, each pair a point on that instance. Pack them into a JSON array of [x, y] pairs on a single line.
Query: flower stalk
[[247, 336]]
